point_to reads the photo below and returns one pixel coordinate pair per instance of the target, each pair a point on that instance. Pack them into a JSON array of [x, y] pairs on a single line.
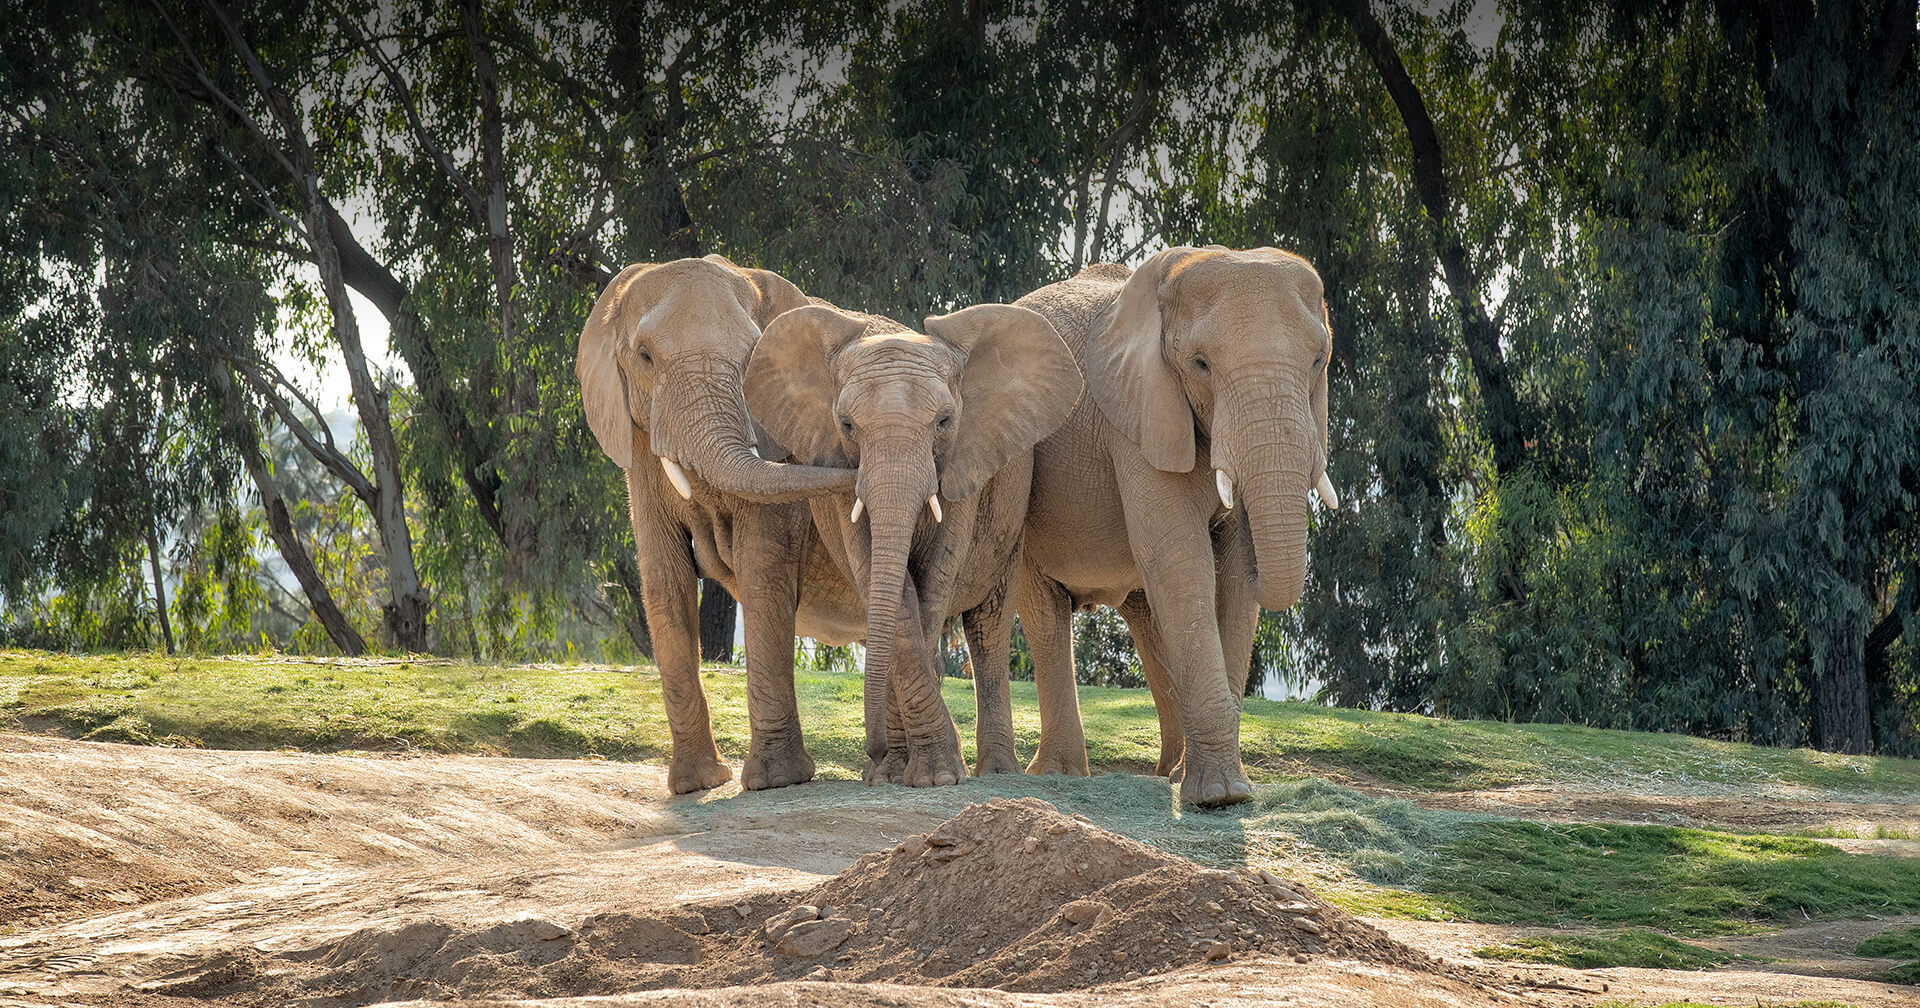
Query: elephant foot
[[1059, 760], [697, 773], [1210, 784], [888, 769], [994, 759], [1169, 765], [936, 765], [777, 763]]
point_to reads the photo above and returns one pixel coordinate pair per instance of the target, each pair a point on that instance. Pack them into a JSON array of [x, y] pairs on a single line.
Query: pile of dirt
[[1013, 894], [1009, 894]]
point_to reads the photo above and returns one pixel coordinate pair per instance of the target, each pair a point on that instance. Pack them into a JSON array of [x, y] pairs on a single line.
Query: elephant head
[[661, 360], [1230, 347], [923, 418]]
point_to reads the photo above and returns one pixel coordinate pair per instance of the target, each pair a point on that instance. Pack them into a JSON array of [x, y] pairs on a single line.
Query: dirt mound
[[1012, 894], [1009, 894]]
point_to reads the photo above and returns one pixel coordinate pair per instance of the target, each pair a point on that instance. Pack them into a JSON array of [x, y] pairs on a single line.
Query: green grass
[[1900, 943], [1684, 881], [1372, 854], [1633, 947], [256, 702]]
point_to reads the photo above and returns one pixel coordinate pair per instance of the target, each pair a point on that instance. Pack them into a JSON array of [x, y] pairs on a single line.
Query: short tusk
[[677, 477], [1327, 496], [934, 503], [859, 508], [1224, 483]]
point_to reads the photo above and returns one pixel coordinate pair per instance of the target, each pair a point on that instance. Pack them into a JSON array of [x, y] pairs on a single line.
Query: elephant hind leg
[[988, 627], [1046, 614], [1166, 700]]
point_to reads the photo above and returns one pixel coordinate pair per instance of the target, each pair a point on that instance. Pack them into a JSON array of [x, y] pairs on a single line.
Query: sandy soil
[[142, 877]]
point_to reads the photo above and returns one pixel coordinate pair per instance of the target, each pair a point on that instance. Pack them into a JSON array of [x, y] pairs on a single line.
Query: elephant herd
[[1143, 439]]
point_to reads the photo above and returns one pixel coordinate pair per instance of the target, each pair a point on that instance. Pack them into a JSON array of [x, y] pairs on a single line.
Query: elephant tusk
[[1327, 496], [859, 508], [933, 502], [677, 477], [1224, 483]]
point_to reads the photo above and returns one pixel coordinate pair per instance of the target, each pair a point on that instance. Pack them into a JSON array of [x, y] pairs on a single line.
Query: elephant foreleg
[[669, 590], [1237, 599], [1173, 551], [772, 544], [1046, 615], [932, 742], [1166, 700], [989, 626]]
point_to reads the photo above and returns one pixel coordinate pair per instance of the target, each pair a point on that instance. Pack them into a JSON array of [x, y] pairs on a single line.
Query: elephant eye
[[645, 357], [1201, 363], [846, 427], [945, 421]]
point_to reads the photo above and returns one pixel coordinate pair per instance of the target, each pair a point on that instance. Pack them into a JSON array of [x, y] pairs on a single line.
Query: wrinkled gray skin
[[1201, 360], [660, 364], [941, 428]]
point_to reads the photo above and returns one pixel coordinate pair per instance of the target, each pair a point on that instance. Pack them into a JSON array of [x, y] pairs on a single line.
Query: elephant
[[1206, 373], [941, 429], [661, 360]]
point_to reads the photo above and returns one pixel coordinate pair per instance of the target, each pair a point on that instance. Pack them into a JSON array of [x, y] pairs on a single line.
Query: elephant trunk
[[700, 422], [1264, 443], [897, 478]]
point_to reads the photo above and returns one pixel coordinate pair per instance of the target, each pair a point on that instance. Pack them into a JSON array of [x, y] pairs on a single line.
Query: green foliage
[[1631, 947]]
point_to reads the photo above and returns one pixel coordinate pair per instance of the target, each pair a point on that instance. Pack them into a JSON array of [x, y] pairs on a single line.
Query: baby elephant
[[941, 427]]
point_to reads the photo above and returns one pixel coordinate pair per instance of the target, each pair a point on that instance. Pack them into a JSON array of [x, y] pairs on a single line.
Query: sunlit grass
[[1374, 855], [1598, 950]]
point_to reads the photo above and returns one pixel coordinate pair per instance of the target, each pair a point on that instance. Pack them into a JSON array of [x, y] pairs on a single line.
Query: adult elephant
[[1177, 490], [941, 429], [660, 364]]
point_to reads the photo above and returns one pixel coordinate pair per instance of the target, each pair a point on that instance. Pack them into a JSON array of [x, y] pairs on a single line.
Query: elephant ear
[[789, 385], [603, 388], [778, 295], [1127, 370], [1018, 384]]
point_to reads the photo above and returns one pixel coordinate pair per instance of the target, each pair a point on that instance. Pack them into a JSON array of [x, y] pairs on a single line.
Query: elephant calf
[[941, 428]]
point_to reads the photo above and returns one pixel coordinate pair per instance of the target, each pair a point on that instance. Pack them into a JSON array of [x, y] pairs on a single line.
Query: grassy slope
[[1377, 855]]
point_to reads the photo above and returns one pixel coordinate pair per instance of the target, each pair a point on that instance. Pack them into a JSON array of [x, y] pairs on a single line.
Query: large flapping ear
[[1019, 383], [789, 385], [1127, 370], [603, 389]]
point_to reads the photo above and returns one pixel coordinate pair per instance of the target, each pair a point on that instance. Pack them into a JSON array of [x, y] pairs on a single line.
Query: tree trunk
[[1842, 722], [406, 610], [716, 622], [280, 522], [1506, 427], [159, 586]]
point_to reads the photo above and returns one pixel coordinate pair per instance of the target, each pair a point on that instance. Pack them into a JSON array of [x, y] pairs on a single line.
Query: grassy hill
[[1340, 792]]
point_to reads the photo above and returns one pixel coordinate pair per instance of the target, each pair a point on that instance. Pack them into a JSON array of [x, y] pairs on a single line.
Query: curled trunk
[[702, 424]]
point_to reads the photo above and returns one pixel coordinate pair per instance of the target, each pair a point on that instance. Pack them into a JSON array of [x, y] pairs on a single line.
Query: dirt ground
[[167, 878]]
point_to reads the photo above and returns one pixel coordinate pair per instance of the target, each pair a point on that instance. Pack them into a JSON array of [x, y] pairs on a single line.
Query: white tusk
[[1223, 483], [677, 477], [859, 508], [1327, 496], [934, 503]]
